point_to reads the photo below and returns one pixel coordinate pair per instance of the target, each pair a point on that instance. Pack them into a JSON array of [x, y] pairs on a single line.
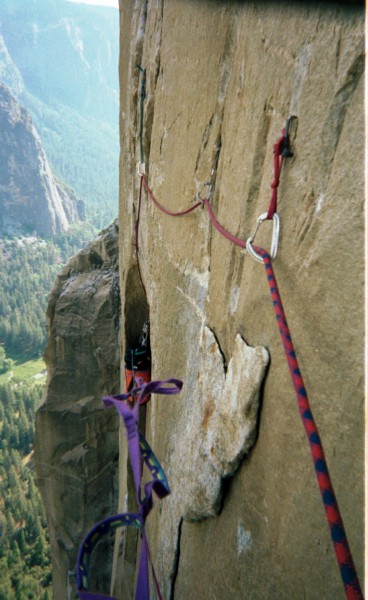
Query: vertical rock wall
[[246, 519], [76, 446]]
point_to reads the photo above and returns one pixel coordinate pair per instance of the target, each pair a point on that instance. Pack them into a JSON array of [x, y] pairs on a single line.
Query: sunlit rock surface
[[222, 77]]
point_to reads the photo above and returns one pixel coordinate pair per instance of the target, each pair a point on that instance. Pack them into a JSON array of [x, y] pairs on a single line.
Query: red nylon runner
[[278, 161], [206, 203], [222, 229], [180, 213]]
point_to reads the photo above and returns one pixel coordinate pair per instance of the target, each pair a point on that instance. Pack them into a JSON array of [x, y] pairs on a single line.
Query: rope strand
[[137, 223], [179, 213], [220, 228], [344, 558]]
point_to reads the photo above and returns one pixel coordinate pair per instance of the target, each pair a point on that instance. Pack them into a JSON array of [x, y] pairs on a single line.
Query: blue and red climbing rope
[[344, 558]]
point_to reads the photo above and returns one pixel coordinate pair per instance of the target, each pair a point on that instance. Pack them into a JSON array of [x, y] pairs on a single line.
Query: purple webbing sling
[[138, 449]]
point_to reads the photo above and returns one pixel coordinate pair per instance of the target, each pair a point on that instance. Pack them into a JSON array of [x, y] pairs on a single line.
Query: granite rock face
[[31, 199], [245, 516], [76, 447]]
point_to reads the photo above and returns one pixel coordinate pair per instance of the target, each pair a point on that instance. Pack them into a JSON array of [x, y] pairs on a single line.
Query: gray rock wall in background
[[32, 200]]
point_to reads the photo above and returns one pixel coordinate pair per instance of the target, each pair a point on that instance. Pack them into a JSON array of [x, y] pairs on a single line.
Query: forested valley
[[24, 553], [73, 103], [28, 267]]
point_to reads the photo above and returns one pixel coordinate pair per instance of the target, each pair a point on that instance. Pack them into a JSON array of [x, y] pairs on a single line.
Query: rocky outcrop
[[222, 77], [76, 447], [31, 199]]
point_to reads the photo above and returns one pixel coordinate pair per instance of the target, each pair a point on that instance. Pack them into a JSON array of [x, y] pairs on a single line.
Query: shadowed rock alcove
[[136, 309]]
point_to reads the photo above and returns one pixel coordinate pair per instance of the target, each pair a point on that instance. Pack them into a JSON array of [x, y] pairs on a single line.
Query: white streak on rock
[[234, 299], [244, 540]]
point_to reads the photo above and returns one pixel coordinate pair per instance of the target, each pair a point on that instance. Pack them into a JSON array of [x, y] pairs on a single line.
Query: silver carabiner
[[198, 195], [275, 237]]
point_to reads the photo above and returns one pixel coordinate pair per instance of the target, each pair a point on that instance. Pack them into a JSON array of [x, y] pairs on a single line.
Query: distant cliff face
[[76, 446], [64, 52], [59, 60], [31, 200], [9, 72]]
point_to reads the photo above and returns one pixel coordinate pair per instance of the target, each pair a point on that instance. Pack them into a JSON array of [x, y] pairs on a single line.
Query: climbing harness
[[281, 151], [139, 450]]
